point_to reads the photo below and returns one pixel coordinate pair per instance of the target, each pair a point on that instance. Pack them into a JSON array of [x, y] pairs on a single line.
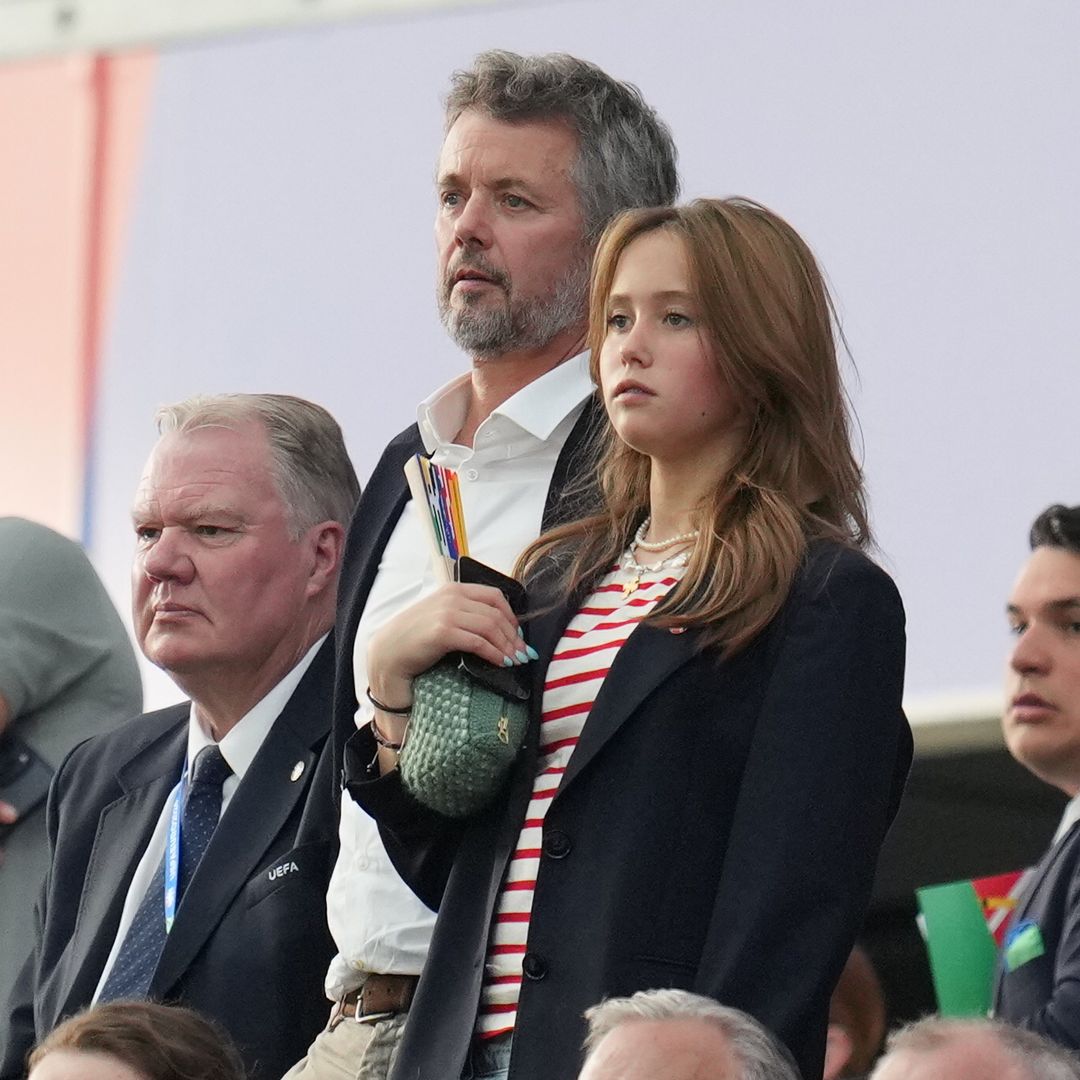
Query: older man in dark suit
[[191, 848], [1038, 980]]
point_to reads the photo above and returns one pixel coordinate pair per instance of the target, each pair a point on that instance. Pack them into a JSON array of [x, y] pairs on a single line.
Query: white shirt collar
[[537, 408], [1069, 818], [241, 743]]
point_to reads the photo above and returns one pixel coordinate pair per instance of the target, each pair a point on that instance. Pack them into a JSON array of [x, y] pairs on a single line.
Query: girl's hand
[[455, 618]]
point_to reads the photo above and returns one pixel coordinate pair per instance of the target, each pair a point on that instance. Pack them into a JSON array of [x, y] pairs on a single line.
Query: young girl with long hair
[[718, 743]]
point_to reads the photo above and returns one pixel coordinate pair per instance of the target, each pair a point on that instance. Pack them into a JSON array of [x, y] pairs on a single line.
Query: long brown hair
[[767, 317]]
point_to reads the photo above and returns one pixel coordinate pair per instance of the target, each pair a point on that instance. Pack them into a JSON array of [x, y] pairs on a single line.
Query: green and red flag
[[964, 923]]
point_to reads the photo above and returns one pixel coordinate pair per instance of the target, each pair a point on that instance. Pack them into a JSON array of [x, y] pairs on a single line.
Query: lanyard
[[172, 855]]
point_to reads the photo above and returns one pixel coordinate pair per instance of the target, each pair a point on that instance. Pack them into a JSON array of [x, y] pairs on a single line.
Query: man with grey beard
[[539, 154]]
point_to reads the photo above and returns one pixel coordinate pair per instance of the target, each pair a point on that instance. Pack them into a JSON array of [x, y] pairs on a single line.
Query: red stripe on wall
[[94, 278]]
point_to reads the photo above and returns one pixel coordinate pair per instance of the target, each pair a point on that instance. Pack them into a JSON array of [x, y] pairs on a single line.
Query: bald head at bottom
[[965, 1057], [663, 1050]]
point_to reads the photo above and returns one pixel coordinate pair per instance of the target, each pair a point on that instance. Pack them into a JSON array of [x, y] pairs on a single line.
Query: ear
[[838, 1047], [326, 544]]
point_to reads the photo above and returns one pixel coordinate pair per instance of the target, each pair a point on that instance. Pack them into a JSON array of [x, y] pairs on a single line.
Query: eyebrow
[[504, 183], [196, 513], [669, 294], [1066, 603]]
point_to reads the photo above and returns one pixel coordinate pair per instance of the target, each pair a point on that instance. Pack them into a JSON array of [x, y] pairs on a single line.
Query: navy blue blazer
[[1043, 993], [250, 943], [717, 829]]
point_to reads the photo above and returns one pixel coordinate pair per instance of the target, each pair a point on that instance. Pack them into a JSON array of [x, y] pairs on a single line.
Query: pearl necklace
[[635, 569], [639, 540]]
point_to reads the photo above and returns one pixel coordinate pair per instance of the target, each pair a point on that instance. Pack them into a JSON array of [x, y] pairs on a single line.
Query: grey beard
[[523, 324]]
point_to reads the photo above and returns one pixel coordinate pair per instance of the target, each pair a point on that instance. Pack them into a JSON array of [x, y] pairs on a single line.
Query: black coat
[[1043, 994], [717, 829], [250, 944]]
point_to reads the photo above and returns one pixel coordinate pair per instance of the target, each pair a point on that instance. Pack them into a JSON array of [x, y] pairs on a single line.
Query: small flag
[[964, 922], [998, 899], [437, 496]]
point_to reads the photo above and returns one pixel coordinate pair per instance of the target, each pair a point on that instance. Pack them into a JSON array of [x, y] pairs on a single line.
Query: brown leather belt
[[380, 996]]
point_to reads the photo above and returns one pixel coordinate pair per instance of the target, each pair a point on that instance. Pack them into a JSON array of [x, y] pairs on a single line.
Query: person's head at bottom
[[937, 1048], [136, 1040], [676, 1035]]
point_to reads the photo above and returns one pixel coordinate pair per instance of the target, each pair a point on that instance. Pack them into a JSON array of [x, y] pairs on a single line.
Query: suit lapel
[[256, 814], [1041, 876], [123, 833], [1043, 872], [376, 515], [573, 492], [650, 655]]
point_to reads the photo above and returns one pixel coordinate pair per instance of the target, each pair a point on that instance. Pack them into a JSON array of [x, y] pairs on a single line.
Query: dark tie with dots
[[141, 950]]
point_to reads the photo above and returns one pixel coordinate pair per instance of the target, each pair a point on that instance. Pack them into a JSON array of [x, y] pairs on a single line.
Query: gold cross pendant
[[631, 585]]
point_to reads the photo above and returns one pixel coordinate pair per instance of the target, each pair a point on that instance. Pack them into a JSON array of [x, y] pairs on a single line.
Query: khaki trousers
[[351, 1051]]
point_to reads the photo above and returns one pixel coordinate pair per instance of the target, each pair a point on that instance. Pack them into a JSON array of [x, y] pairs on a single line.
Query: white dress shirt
[[1069, 818], [377, 922], [238, 747]]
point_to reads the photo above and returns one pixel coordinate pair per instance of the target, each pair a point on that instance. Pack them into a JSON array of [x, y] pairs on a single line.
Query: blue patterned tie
[[139, 954]]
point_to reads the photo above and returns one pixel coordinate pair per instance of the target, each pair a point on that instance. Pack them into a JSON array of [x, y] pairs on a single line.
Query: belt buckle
[[372, 1018]]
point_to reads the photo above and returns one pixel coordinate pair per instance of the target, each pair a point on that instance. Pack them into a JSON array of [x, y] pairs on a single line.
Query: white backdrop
[[281, 241]]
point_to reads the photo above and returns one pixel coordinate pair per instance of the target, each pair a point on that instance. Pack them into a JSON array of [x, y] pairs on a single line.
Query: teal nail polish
[[522, 658], [533, 654], [507, 662]]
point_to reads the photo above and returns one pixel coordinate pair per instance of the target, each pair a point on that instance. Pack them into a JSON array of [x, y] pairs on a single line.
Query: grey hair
[[310, 465], [626, 155], [1038, 1056], [760, 1054]]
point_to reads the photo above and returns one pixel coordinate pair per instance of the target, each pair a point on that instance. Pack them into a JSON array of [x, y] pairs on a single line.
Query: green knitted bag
[[462, 739]]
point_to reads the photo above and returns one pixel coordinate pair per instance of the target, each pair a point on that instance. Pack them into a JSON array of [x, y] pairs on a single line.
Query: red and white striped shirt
[[578, 668]]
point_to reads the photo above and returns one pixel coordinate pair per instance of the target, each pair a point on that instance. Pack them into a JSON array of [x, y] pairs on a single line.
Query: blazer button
[[557, 844], [533, 966]]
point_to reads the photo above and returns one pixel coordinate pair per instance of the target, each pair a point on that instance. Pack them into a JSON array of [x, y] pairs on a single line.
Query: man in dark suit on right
[[1038, 979]]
